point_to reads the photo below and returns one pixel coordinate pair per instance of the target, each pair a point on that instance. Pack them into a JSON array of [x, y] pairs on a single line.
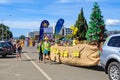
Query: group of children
[[43, 48]]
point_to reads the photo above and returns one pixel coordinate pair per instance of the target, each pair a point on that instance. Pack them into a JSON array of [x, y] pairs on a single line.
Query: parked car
[[5, 49], [13, 45], [110, 57]]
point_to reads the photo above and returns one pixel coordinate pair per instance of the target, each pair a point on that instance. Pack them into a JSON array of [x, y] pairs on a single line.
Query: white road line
[[38, 67]]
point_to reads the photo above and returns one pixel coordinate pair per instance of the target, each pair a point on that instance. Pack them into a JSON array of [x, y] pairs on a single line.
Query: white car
[[110, 57]]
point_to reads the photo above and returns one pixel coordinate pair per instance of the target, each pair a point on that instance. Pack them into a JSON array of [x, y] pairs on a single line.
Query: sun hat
[[46, 38]]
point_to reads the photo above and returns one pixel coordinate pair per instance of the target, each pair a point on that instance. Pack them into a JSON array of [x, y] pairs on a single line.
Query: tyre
[[114, 71], [4, 56]]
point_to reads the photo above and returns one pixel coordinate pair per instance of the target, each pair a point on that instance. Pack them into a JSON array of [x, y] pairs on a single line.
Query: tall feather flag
[[58, 26], [44, 24]]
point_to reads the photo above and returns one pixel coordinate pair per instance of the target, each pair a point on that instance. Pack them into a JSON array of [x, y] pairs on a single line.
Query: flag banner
[[59, 26], [44, 24]]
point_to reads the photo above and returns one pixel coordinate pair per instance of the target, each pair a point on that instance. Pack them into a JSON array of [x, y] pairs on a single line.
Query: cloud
[[15, 1], [4, 1], [22, 24], [64, 1], [68, 1], [71, 1], [112, 22], [93, 0], [27, 24]]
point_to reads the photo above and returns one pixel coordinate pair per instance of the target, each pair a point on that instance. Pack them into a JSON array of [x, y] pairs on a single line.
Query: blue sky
[[23, 16]]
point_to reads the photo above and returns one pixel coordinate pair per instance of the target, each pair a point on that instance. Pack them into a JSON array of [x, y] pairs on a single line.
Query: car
[[110, 57], [13, 45], [5, 49]]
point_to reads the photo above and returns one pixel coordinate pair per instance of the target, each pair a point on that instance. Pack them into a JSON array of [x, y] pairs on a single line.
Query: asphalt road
[[30, 69]]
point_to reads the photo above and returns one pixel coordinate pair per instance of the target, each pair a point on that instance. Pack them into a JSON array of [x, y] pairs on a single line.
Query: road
[[30, 69]]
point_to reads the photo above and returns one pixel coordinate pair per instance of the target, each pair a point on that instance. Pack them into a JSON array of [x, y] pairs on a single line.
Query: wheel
[[114, 71], [3, 55]]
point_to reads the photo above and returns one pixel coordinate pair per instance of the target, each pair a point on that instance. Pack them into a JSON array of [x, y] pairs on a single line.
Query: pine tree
[[82, 26], [96, 26]]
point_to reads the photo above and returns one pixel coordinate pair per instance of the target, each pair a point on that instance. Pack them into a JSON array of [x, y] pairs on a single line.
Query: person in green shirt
[[46, 49]]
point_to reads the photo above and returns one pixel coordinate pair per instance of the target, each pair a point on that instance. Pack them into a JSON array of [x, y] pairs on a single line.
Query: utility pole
[[2, 31], [7, 34]]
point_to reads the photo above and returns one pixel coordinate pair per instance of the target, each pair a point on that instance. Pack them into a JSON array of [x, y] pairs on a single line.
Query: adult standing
[[39, 48], [18, 50], [33, 43]]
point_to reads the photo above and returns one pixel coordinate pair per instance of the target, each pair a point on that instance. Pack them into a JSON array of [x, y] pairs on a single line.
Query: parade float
[[78, 55], [84, 51]]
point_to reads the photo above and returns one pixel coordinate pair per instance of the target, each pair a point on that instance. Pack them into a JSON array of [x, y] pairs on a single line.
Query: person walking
[[46, 49], [39, 48], [33, 43], [18, 50]]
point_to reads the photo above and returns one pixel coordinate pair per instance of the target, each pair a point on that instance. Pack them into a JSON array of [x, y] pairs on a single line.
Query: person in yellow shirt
[[46, 49], [74, 41]]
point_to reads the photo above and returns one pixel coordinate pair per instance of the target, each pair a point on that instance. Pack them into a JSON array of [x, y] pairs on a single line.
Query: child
[[46, 49]]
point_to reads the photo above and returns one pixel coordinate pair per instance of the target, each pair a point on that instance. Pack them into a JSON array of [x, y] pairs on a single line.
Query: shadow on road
[[96, 68], [29, 60], [56, 63], [8, 57]]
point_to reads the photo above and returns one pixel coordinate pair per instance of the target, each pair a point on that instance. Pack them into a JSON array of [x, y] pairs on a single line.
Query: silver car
[[110, 57]]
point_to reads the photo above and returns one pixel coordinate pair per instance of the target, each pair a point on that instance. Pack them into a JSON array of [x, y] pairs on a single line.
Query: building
[[33, 34], [65, 31], [50, 31], [68, 31]]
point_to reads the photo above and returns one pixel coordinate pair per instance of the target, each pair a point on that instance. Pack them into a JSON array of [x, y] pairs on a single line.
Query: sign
[[48, 30]]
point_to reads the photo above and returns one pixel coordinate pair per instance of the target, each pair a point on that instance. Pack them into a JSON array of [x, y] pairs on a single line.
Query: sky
[[23, 16]]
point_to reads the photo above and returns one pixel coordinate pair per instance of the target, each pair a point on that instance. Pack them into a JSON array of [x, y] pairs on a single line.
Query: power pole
[[2, 31]]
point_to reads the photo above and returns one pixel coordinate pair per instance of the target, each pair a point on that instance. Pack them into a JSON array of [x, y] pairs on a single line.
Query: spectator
[[18, 50], [39, 48]]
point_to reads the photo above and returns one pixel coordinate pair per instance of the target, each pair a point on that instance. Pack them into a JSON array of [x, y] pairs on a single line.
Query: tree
[[10, 35], [96, 26], [82, 26], [22, 37], [5, 32]]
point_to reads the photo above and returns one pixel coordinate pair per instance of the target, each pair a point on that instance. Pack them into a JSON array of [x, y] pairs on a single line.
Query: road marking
[[17, 74], [38, 67]]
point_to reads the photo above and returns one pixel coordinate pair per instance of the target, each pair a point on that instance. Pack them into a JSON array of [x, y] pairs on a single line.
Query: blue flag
[[58, 26], [44, 24]]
